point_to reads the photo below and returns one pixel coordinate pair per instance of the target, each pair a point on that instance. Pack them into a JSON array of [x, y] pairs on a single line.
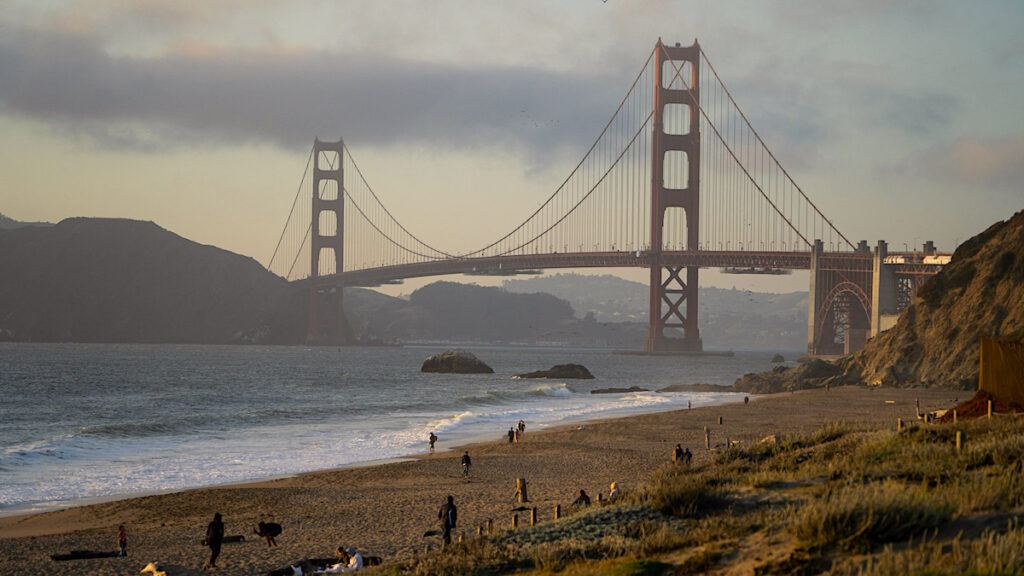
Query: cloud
[[976, 163], [289, 96]]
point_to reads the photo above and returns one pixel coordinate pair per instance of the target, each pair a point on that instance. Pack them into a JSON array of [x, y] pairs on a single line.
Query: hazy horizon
[[901, 122]]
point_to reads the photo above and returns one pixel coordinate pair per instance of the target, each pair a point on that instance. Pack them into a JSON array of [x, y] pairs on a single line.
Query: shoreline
[[459, 442], [384, 509], [456, 444]]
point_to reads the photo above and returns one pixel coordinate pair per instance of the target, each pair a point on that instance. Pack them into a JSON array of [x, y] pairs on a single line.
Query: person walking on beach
[[449, 516], [214, 538], [433, 439], [467, 463], [522, 428], [511, 435], [122, 541]]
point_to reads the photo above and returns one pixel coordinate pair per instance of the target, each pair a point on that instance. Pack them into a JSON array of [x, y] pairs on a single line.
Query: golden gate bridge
[[677, 180]]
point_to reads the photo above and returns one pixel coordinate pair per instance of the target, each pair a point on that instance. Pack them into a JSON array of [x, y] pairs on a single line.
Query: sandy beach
[[385, 509]]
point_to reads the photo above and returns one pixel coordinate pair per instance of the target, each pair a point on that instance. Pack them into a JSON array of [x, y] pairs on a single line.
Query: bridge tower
[[673, 296], [327, 323]]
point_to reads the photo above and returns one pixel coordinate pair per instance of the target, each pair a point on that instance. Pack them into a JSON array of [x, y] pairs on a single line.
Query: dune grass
[[845, 500]]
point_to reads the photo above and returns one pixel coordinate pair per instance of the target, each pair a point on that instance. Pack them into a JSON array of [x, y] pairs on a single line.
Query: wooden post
[[515, 520], [959, 440], [707, 438], [954, 416], [490, 526], [728, 442], [461, 534], [719, 420], [521, 496], [899, 424], [533, 516], [917, 404], [558, 511], [600, 498], [479, 531], [989, 408]]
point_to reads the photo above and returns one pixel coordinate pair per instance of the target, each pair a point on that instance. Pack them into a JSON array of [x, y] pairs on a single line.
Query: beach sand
[[385, 509]]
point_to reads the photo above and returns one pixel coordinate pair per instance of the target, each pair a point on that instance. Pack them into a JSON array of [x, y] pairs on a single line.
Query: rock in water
[[778, 358], [455, 362], [619, 390], [561, 371]]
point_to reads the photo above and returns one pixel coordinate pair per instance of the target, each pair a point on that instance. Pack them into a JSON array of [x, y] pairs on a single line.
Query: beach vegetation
[[845, 499]]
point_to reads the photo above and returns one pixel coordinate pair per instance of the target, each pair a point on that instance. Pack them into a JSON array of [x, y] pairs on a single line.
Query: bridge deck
[[498, 265]]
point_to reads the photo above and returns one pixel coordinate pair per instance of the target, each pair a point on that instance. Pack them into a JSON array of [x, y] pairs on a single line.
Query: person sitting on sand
[[349, 560], [677, 454], [582, 500], [122, 541], [613, 492], [433, 439]]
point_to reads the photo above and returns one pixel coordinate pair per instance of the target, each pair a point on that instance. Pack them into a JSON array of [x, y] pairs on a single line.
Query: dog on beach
[[268, 530], [151, 568]]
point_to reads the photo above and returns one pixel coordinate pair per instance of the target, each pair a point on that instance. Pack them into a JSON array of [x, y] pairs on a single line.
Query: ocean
[[80, 422]]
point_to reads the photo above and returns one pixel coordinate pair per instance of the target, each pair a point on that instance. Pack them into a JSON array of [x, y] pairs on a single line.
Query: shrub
[[858, 517], [679, 492]]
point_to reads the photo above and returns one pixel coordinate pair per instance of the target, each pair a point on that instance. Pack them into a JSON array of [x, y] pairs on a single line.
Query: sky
[[901, 120]]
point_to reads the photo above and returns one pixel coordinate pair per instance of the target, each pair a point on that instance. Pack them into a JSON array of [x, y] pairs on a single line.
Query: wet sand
[[385, 509]]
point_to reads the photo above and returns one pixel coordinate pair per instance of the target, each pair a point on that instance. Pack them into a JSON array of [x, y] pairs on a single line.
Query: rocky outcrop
[[813, 374], [778, 358], [696, 388], [455, 362], [935, 342], [619, 390], [561, 371]]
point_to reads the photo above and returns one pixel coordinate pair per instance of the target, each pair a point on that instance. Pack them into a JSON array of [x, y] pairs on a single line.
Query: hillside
[[8, 223], [729, 318], [935, 342], [114, 280]]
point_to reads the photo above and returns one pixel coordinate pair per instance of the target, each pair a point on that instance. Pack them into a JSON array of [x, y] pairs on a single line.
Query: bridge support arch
[[673, 290], [327, 323]]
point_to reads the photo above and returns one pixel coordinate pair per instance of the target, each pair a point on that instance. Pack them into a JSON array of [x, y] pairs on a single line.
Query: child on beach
[[122, 541]]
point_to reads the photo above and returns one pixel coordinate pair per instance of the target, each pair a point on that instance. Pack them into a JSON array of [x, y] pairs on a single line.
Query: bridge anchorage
[[677, 180]]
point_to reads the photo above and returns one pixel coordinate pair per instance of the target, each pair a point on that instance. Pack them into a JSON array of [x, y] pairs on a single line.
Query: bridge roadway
[[512, 264]]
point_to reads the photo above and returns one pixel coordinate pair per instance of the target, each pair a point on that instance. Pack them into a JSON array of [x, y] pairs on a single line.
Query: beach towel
[[84, 555]]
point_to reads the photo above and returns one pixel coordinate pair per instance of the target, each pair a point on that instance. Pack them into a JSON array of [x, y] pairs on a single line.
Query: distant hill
[[8, 223], [935, 342], [114, 280], [728, 318]]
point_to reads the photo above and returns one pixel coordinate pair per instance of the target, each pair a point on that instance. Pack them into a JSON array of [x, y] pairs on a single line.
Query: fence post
[[558, 511], [515, 520], [899, 424], [533, 516], [707, 438], [490, 526], [719, 420], [479, 531], [521, 496], [989, 408], [954, 416], [959, 440]]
